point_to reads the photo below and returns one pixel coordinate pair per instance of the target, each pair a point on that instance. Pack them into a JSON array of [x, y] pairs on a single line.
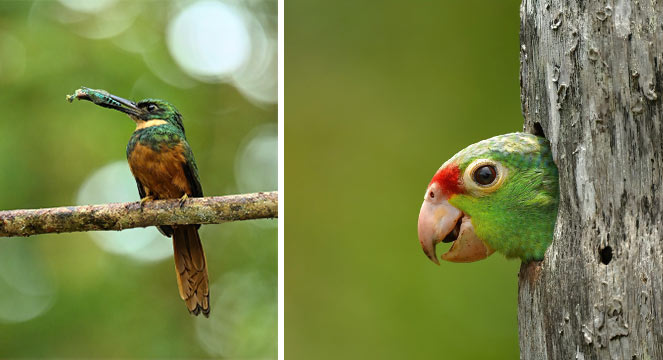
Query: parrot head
[[500, 194]]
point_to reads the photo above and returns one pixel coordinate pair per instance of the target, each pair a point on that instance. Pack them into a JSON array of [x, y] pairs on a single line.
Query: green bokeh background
[[105, 305], [379, 94]]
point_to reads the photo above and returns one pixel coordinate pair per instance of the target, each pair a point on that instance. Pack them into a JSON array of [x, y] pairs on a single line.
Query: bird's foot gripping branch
[[500, 194]]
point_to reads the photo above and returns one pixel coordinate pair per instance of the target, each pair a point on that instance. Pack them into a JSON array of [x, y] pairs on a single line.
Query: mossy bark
[[120, 216]]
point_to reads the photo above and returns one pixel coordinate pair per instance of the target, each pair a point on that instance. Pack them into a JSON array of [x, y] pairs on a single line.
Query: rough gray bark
[[120, 216], [591, 79]]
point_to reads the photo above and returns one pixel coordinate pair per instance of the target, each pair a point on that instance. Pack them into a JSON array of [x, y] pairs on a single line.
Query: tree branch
[[120, 216]]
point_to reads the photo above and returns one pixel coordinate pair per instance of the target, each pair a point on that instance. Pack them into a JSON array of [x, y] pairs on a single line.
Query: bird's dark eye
[[485, 175], [431, 195], [151, 107]]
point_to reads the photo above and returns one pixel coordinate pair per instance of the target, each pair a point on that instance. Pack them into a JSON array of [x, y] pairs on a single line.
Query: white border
[[281, 141]]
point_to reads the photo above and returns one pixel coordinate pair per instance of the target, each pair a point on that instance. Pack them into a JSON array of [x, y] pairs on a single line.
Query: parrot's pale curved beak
[[467, 247], [440, 221]]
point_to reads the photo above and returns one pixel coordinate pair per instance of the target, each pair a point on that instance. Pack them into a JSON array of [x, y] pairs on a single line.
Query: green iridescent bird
[[500, 194], [162, 162]]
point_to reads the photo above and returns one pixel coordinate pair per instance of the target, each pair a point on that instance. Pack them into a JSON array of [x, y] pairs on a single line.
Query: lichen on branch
[[120, 216]]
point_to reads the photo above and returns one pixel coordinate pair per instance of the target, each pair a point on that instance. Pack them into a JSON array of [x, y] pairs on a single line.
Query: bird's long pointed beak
[[105, 99], [440, 221]]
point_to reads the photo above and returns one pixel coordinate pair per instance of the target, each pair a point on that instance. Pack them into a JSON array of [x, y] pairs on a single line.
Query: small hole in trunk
[[606, 255], [538, 130]]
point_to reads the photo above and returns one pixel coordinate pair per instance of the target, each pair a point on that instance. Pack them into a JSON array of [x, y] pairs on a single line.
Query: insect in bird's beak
[[107, 100], [439, 221]]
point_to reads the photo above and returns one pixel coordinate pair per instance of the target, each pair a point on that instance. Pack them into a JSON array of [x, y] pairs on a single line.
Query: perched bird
[[500, 194], [162, 163]]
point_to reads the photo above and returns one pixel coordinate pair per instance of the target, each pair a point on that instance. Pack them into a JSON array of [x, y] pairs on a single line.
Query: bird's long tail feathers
[[191, 269]]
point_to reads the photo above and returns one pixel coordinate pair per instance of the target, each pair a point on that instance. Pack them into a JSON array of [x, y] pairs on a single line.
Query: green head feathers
[[160, 109], [500, 194]]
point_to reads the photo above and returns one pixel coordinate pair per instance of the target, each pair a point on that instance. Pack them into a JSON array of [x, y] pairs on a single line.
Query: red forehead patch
[[448, 179]]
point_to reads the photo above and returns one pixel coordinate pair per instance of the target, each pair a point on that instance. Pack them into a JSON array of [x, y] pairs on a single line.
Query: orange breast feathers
[[161, 172]]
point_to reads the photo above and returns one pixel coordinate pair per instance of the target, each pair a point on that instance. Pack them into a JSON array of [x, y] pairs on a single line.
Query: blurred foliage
[[99, 304], [380, 94]]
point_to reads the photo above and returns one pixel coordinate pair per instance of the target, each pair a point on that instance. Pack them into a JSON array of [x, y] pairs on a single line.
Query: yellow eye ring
[[484, 176]]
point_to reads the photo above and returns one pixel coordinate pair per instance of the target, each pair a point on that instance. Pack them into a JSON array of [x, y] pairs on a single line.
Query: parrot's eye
[[485, 175], [431, 195]]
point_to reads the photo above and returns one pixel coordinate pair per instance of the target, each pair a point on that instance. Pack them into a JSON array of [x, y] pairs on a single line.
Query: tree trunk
[[591, 78]]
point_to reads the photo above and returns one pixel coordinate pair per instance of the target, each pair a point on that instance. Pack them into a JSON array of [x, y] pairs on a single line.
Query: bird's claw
[[144, 200], [183, 199]]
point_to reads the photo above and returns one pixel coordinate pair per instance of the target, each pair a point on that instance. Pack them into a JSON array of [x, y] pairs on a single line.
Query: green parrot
[[500, 194]]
